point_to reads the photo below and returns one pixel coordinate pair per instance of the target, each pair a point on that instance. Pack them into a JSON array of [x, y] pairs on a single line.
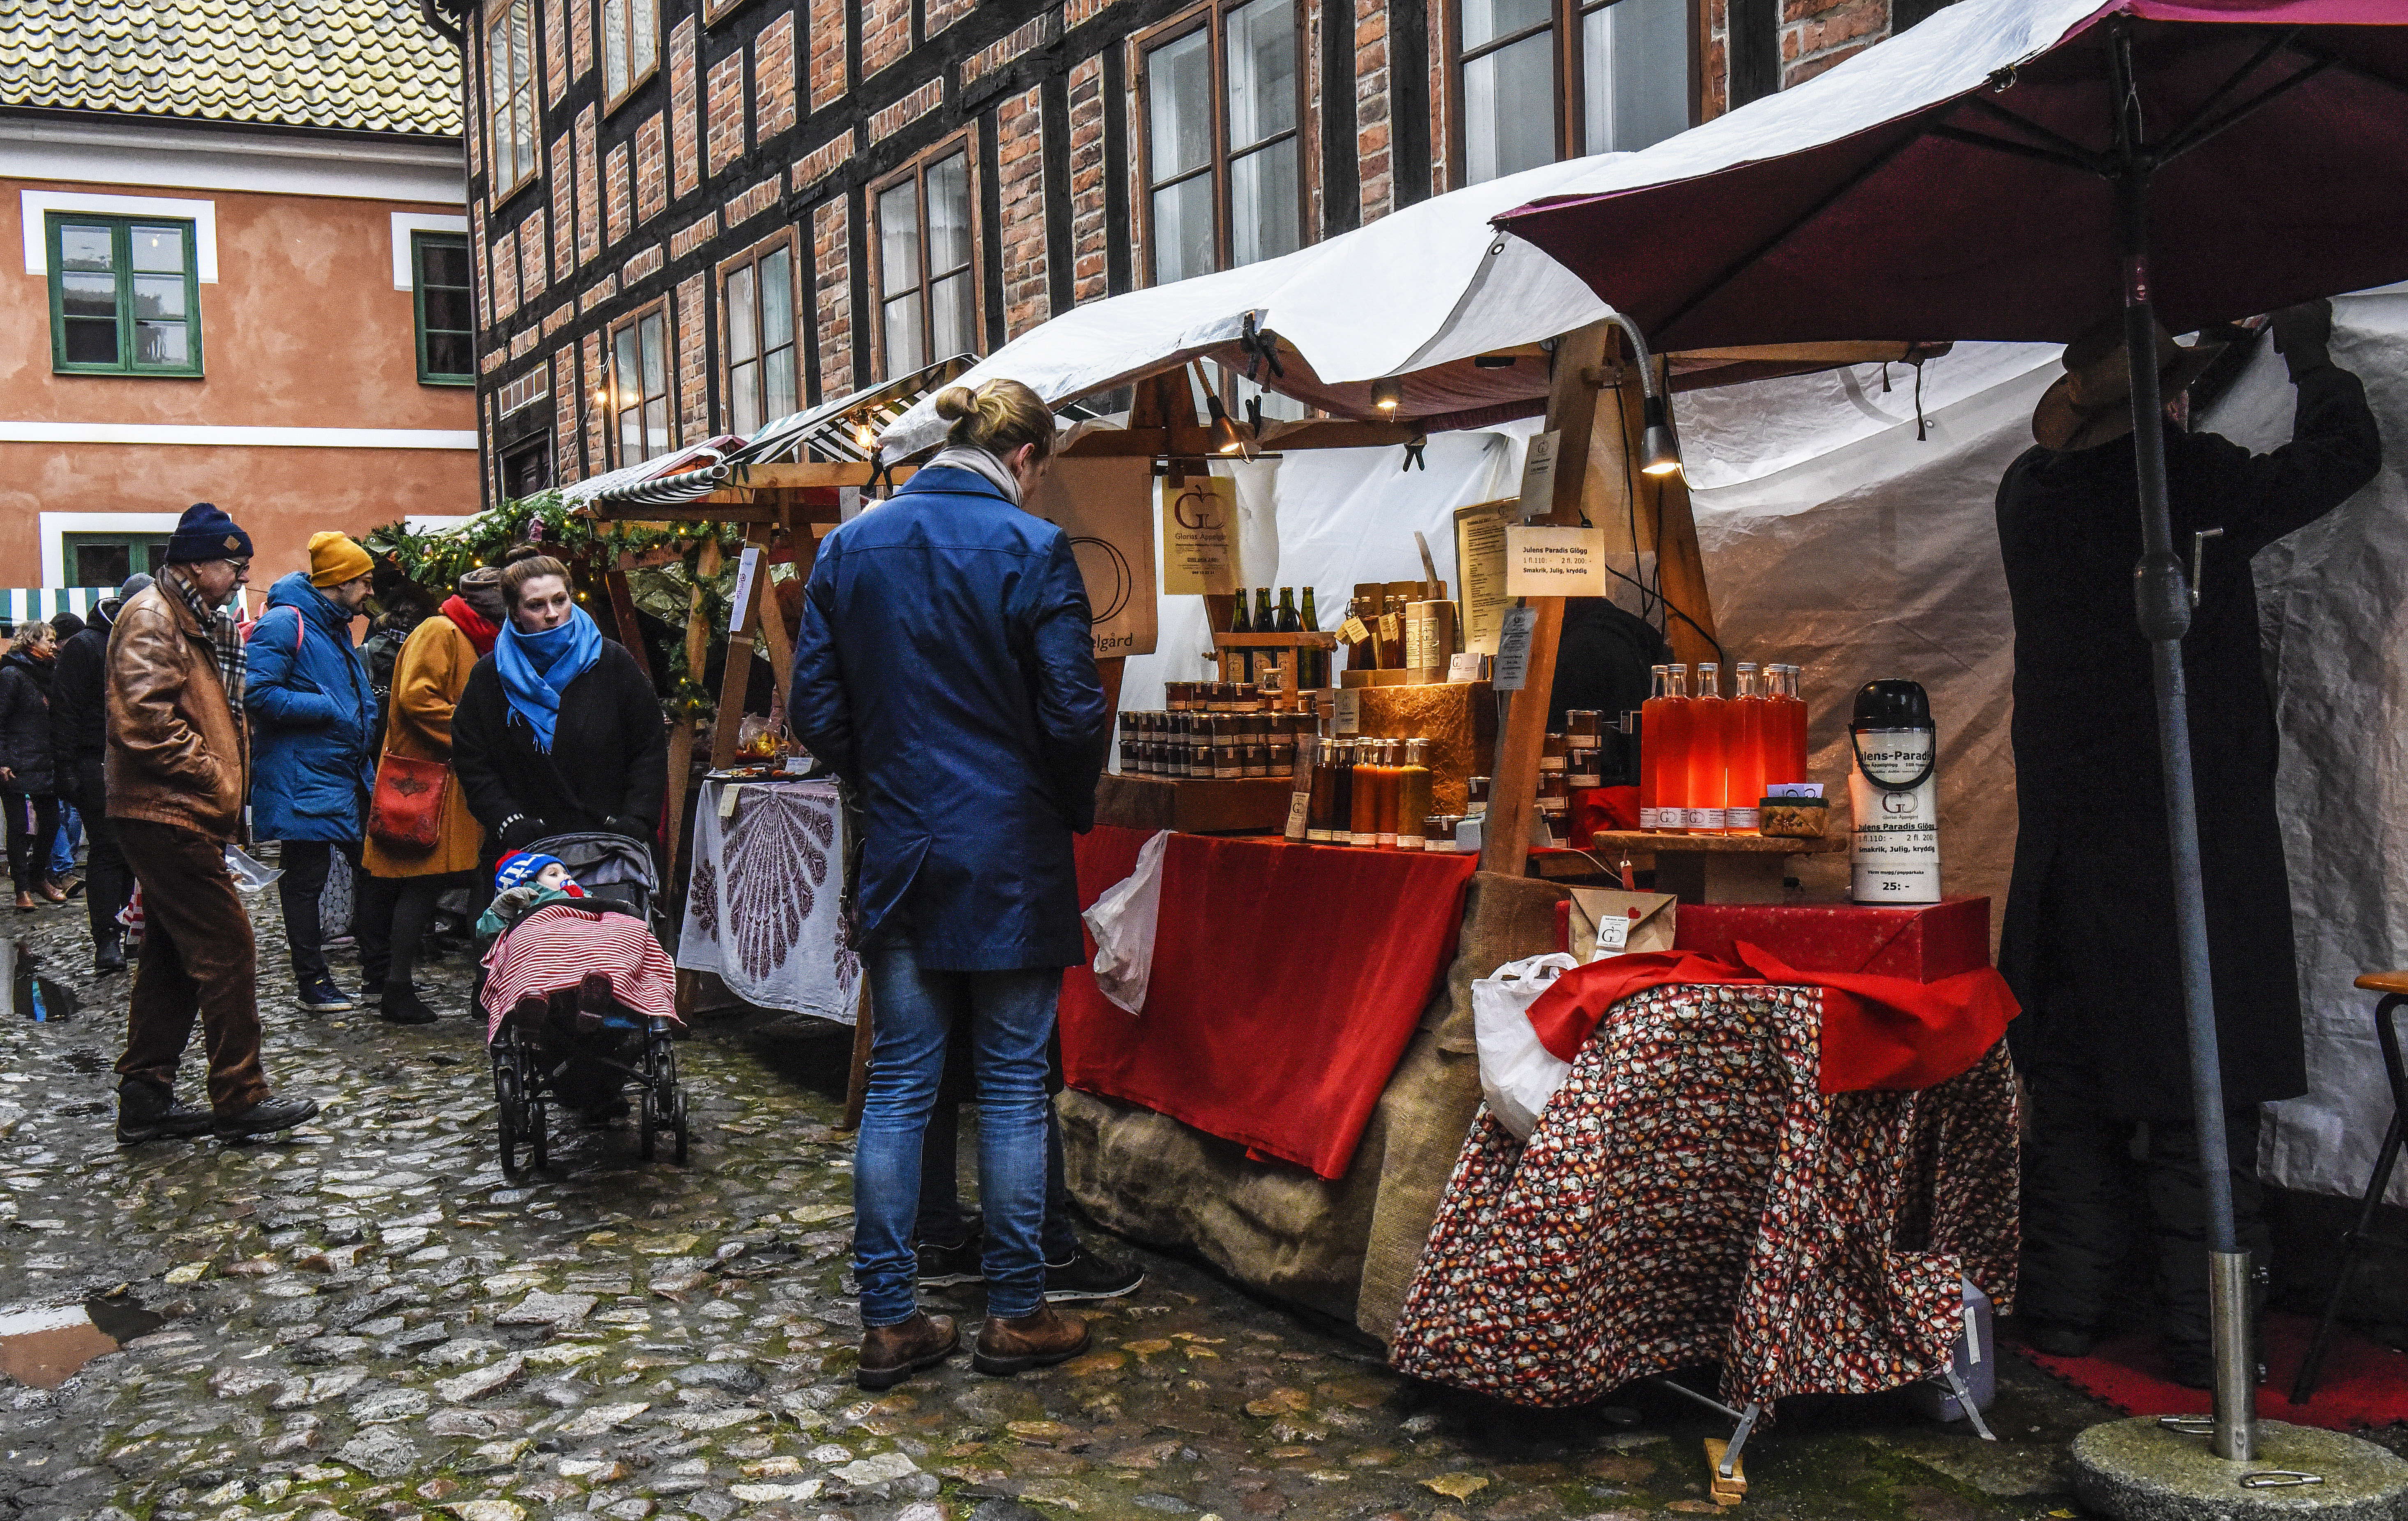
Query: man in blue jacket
[[946, 671], [313, 746]]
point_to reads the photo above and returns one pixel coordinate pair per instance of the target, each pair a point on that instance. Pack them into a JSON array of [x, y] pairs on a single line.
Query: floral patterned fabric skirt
[[1688, 1197]]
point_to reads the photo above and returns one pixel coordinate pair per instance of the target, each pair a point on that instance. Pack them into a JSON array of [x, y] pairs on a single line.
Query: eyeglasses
[[241, 568]]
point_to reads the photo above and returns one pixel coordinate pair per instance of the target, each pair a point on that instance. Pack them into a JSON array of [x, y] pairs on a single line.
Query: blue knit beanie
[[204, 533]]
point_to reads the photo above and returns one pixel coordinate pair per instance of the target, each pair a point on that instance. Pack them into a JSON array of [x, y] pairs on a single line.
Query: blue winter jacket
[[313, 739], [946, 669]]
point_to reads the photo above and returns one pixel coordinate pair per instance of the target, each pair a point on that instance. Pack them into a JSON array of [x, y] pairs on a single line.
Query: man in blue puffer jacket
[[313, 744]]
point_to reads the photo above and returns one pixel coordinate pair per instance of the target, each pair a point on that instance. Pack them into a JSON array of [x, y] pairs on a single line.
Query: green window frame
[[443, 309], [117, 308]]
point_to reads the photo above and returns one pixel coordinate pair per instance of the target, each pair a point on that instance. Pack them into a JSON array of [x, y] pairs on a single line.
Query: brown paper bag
[[1647, 917]]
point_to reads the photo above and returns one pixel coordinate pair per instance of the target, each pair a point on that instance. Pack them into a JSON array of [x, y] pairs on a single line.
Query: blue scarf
[[536, 668]]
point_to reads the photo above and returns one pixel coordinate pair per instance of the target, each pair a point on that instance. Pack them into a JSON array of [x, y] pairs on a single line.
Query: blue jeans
[[62, 846], [1011, 1017]]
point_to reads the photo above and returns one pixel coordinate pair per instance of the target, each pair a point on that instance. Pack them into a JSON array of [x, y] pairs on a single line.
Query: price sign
[[1350, 711], [1514, 650]]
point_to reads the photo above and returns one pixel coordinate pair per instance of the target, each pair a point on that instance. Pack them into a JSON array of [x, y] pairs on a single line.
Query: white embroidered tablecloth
[[765, 909]]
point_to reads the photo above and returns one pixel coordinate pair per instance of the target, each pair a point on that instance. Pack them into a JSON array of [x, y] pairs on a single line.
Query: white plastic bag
[[1518, 1074], [1123, 923]]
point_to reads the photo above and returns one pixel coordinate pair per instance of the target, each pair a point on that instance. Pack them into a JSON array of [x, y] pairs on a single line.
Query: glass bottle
[[1341, 806], [1240, 623], [1414, 796], [1785, 747], [1314, 663], [1264, 621], [1744, 763], [1364, 824], [1359, 655], [1321, 806], [1665, 745], [1709, 780], [1392, 646]]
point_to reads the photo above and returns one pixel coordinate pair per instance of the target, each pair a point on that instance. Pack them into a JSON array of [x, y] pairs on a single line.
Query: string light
[[1388, 393]]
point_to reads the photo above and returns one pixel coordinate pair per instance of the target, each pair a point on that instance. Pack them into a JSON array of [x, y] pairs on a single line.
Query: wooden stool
[[2393, 986]]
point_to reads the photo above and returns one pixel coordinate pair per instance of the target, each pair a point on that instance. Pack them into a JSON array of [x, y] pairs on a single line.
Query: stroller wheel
[[539, 1135], [680, 1122], [650, 1124], [507, 1117]]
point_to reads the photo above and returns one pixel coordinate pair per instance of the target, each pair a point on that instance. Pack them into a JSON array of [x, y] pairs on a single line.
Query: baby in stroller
[[579, 1002]]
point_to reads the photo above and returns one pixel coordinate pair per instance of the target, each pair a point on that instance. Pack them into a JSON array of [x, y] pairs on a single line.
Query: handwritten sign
[[1545, 560]]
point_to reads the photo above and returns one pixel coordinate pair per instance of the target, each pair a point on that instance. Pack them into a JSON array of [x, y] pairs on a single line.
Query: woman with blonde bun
[[946, 671]]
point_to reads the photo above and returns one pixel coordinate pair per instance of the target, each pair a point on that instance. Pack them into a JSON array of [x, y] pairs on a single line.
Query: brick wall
[[944, 13], [832, 294], [1019, 164], [561, 176], [589, 190], [532, 256], [725, 139], [505, 274], [1434, 28], [685, 147], [1080, 12], [566, 404], [754, 200], [885, 34], [1816, 36], [773, 78], [556, 54], [483, 277], [643, 267], [694, 359], [1089, 276], [597, 416], [692, 237], [1374, 142], [618, 193], [828, 83], [821, 162], [918, 103], [1715, 97], [652, 170], [1035, 33], [580, 36]]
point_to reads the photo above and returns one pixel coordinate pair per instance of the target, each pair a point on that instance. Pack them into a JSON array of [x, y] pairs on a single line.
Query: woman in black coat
[[2089, 945], [27, 787], [558, 730]]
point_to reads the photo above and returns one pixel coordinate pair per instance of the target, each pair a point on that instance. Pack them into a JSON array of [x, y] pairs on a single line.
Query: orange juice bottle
[[1709, 781], [1745, 765]]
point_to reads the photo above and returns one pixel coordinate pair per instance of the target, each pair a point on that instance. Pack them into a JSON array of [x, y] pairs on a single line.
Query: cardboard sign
[[1546, 560], [1538, 475], [1465, 667], [1480, 564], [1348, 717], [1200, 537], [1106, 507]]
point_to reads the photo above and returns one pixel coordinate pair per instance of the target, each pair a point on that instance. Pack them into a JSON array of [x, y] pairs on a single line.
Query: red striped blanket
[[555, 946]]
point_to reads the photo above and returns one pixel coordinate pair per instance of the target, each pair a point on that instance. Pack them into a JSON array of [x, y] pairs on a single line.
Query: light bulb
[[1388, 393]]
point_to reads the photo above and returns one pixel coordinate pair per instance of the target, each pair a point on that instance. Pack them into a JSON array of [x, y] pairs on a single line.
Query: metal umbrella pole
[[2163, 603]]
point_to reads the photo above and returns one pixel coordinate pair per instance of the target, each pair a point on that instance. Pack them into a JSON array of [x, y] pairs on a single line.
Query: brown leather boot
[[891, 1354], [1014, 1346]]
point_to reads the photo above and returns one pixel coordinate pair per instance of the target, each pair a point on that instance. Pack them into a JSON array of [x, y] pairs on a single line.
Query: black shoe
[[2053, 1339], [371, 992], [109, 956], [2194, 1368], [1087, 1276], [402, 1006], [943, 1267], [146, 1111], [319, 995], [267, 1117]]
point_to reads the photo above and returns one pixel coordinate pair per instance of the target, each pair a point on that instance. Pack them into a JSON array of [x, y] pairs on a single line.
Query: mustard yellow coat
[[427, 680]]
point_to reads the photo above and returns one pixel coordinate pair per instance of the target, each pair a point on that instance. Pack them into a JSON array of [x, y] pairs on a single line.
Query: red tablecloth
[[1287, 981]]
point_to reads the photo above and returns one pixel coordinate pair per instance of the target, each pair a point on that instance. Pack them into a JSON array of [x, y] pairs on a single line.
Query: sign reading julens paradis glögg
[[1894, 790]]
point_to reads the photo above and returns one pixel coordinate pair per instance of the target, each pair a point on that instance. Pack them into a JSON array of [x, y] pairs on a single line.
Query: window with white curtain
[[928, 282], [1223, 170], [1538, 80]]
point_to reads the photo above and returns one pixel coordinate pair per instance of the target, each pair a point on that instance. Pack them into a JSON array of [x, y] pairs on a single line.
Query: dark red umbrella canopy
[[2286, 128]]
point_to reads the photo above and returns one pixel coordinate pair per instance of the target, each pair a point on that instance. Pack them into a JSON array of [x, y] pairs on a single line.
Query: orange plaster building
[[232, 268]]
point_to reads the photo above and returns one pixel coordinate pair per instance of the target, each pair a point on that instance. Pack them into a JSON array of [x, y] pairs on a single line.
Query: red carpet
[[2362, 1385]]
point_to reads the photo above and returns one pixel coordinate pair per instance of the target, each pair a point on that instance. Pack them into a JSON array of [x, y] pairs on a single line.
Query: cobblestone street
[[364, 1319]]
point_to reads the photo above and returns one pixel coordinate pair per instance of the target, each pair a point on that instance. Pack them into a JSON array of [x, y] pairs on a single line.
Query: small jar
[[1475, 796], [1553, 754], [1256, 757], [1554, 794], [1283, 755], [1174, 697], [1585, 768], [1583, 724], [1438, 833]]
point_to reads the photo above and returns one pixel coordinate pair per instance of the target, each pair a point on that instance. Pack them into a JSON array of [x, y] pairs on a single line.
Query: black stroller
[[533, 1054]]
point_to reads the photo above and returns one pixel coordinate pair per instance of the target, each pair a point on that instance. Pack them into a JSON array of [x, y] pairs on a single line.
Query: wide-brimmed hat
[[2092, 404]]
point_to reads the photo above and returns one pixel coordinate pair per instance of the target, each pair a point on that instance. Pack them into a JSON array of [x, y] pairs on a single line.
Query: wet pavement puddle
[[44, 1347]]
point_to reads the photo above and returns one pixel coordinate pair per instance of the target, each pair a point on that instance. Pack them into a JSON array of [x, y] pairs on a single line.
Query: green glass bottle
[[1316, 666], [1288, 621], [1241, 623]]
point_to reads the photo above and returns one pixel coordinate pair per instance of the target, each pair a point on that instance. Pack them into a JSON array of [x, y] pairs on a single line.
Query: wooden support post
[[736, 676], [1572, 413], [774, 637], [697, 651], [623, 612], [1666, 524]]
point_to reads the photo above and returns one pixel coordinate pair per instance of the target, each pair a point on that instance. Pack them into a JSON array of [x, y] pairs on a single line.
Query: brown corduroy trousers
[[198, 959]]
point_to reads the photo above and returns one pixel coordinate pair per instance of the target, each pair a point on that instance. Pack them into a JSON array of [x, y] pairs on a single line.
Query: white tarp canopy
[[1834, 538], [1420, 292]]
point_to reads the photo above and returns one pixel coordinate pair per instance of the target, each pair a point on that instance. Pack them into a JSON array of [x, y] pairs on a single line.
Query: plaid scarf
[[226, 639]]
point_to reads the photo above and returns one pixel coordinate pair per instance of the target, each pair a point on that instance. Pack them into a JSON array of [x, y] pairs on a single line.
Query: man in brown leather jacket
[[178, 770]]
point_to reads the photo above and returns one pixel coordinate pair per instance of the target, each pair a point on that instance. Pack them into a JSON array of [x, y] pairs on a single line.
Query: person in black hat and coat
[[2089, 941], [79, 704]]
